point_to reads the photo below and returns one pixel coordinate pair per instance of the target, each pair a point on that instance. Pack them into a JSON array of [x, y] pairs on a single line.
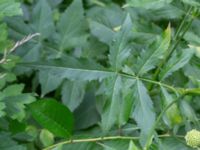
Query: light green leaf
[[176, 62], [42, 18], [119, 49], [15, 105], [132, 146], [72, 26], [172, 116], [143, 112], [150, 57], [53, 116], [9, 8], [46, 137], [13, 90], [73, 93]]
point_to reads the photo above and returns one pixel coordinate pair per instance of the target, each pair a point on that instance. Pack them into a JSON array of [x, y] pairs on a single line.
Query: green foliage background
[[102, 74]]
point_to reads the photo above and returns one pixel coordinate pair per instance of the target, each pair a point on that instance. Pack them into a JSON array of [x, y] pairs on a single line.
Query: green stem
[[177, 38], [102, 139]]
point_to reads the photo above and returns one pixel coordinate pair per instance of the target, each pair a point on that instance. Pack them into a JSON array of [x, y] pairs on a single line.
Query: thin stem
[[98, 139], [177, 38]]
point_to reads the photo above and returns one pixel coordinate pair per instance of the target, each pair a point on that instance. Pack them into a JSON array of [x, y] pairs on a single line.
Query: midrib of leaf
[[113, 94], [68, 68], [118, 51], [109, 73]]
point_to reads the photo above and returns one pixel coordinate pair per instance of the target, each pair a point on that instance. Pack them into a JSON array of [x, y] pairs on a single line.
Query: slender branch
[[17, 44], [98, 139], [176, 90], [177, 38]]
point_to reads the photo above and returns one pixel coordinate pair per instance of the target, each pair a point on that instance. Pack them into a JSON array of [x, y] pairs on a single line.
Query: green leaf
[[172, 143], [7, 143], [143, 112], [188, 111], [149, 58], [83, 70], [48, 81], [86, 115], [72, 26], [46, 138], [15, 105], [103, 33], [172, 116], [73, 93], [176, 62], [4, 42], [194, 3], [147, 4], [9, 8], [42, 19], [111, 111], [53, 116], [132, 146], [119, 49]]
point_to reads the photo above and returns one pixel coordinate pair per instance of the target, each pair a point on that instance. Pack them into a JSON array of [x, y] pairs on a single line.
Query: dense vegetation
[[99, 74]]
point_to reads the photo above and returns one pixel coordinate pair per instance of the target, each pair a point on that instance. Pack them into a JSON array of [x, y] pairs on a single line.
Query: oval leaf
[[53, 116]]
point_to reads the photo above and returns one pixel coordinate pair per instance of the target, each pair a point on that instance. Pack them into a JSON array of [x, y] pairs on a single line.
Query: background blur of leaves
[[92, 73]]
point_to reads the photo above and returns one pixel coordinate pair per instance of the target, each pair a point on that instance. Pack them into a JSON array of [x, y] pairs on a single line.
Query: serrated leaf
[[176, 62], [42, 18], [53, 116], [73, 93], [119, 49], [15, 105], [143, 112], [149, 58], [48, 81], [7, 143], [111, 111], [72, 26], [9, 8], [103, 33], [73, 70]]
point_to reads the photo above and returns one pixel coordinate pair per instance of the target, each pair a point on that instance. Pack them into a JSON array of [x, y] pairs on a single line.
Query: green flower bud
[[193, 138]]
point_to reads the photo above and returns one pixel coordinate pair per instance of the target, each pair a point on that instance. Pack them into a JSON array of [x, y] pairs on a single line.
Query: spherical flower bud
[[193, 138]]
